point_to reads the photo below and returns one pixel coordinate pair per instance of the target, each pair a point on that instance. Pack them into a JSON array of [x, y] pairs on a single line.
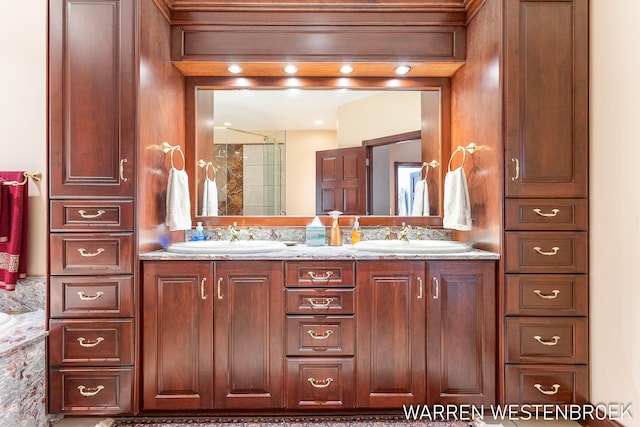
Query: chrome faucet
[[235, 232]]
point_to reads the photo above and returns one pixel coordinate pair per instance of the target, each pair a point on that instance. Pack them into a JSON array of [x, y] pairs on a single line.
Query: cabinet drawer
[[546, 214], [107, 342], [319, 273], [546, 295], [91, 254], [546, 340], [90, 391], [69, 215], [320, 383], [546, 252], [546, 384], [321, 335], [319, 301], [98, 296]]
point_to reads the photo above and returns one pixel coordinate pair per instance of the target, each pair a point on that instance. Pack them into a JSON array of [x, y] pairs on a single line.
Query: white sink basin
[[413, 246], [226, 247]]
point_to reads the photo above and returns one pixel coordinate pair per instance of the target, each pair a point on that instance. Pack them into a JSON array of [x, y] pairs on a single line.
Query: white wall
[[615, 203], [23, 109]]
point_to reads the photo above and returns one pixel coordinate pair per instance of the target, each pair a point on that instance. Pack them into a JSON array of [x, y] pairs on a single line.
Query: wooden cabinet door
[[341, 181], [461, 333], [546, 105], [249, 324], [390, 318], [92, 98], [177, 344]]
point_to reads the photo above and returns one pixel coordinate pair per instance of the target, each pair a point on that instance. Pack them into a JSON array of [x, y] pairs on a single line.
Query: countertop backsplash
[[30, 295]]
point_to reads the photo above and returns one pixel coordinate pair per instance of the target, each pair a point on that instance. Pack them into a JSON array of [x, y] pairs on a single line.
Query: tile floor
[[91, 422]]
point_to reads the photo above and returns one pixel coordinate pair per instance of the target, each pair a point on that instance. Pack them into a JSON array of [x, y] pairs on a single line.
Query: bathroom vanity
[[310, 328], [136, 330]]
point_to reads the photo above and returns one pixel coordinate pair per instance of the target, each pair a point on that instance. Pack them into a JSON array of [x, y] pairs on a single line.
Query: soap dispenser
[[335, 235], [199, 233], [356, 232]]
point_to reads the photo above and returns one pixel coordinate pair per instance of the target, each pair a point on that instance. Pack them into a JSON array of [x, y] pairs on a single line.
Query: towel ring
[[173, 150], [426, 165], [464, 157], [206, 166]]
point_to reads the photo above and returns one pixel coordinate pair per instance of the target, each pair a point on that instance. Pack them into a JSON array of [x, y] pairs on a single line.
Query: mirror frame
[[441, 84]]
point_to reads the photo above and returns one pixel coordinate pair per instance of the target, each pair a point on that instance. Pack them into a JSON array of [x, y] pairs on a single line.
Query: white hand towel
[[210, 198], [178, 204], [457, 207], [420, 199], [403, 202]]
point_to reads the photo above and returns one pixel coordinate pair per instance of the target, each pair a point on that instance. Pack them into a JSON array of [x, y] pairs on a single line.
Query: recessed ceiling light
[[234, 68], [402, 69], [290, 69], [346, 69]]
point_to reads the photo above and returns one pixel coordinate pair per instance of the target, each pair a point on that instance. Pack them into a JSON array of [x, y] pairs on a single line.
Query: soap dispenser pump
[[335, 235], [356, 232]]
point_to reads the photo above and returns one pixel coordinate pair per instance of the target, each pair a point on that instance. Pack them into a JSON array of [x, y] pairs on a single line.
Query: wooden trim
[[164, 6], [392, 139]]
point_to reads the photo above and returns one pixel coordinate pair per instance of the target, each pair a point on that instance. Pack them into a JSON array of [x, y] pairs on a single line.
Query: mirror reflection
[[257, 148]]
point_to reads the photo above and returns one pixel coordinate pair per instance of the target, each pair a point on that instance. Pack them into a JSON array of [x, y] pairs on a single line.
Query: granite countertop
[[304, 252], [29, 327]]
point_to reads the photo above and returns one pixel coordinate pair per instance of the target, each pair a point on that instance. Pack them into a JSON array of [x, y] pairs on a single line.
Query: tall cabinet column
[[92, 255], [546, 190]]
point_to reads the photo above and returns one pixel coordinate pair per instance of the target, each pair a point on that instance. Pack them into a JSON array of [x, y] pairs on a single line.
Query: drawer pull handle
[[555, 387], [320, 302], [517, 162], [554, 251], [85, 215], [84, 252], [88, 344], [553, 295], [420, 287], [202, 283], [554, 212], [320, 383], [85, 297], [219, 288], [326, 275], [316, 336], [88, 392], [543, 342], [122, 178]]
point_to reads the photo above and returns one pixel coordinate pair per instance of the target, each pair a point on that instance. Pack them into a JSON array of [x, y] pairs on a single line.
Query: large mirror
[[258, 147]]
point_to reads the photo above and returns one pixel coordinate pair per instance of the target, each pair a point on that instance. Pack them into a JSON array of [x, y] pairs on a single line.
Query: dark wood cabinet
[[545, 94], [390, 317], [461, 333], [92, 102], [248, 325], [177, 342]]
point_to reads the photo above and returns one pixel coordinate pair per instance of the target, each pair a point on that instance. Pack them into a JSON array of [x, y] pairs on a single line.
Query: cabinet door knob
[[555, 387], [554, 340], [554, 251], [517, 162], [420, 287], [85, 215], [88, 344], [88, 392], [220, 288], [122, 177], [554, 212], [320, 383], [84, 253], [202, 283], [316, 336], [436, 285], [554, 294], [85, 297]]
